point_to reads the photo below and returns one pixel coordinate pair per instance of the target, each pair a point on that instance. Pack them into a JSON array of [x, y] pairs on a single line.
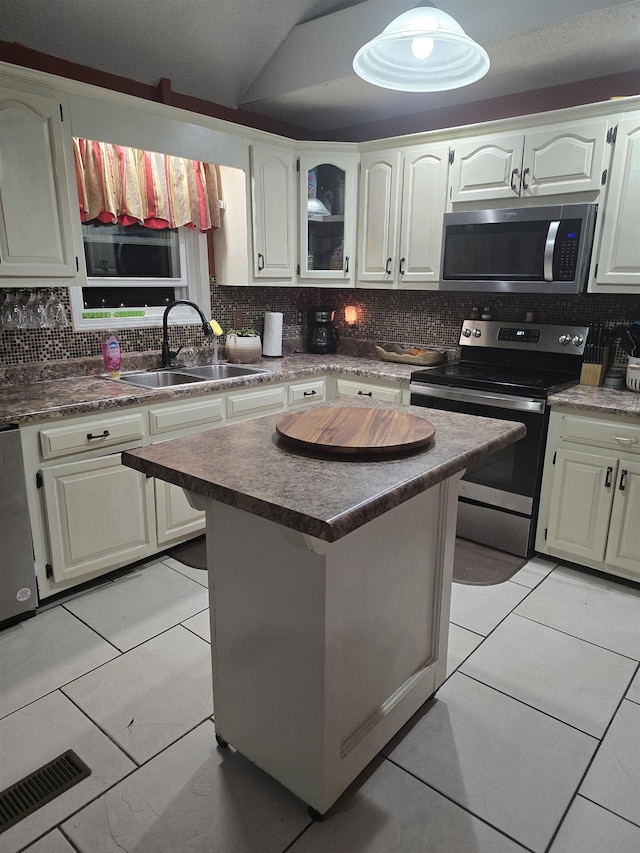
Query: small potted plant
[[243, 345]]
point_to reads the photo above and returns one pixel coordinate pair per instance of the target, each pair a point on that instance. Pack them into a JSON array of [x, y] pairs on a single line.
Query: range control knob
[[564, 339], [466, 333], [477, 333], [577, 341]]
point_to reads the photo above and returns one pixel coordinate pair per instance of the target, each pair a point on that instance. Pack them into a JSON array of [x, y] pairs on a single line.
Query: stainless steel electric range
[[506, 370]]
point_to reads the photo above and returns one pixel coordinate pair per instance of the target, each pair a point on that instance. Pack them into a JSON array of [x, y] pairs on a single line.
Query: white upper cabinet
[[557, 159], [273, 200], [424, 198], [380, 186], [402, 201], [38, 201], [328, 207], [619, 256]]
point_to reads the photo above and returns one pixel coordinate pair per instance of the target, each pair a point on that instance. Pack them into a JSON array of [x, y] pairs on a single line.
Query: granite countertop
[[48, 399], [249, 467], [601, 400]]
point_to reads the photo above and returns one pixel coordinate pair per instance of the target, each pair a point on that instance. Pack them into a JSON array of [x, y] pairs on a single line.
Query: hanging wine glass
[[56, 314], [35, 316], [21, 315], [10, 312]]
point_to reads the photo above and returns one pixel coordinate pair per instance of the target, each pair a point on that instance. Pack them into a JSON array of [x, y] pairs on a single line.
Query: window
[[144, 217], [132, 277]]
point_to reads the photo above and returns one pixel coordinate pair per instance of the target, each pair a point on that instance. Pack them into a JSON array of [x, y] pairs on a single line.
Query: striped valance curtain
[[129, 186]]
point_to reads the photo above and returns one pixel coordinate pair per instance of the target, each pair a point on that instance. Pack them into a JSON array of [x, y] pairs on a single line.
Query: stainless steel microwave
[[518, 250]]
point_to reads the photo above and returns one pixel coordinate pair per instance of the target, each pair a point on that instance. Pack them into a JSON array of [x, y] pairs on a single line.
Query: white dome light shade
[[422, 50]]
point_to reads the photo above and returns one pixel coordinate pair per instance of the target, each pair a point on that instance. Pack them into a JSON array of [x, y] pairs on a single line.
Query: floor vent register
[[40, 787]]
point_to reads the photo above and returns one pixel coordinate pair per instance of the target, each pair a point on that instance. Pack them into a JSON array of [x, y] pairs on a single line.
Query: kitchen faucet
[[168, 354]]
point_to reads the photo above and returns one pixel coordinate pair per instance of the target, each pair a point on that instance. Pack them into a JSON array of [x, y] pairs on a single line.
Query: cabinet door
[[581, 498], [100, 515], [487, 167], [273, 197], [175, 517], [36, 209], [328, 201], [424, 196], [380, 189], [565, 158], [623, 547], [619, 256]]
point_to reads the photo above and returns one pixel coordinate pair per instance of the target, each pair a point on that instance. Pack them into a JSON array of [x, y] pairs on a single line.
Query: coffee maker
[[323, 335]]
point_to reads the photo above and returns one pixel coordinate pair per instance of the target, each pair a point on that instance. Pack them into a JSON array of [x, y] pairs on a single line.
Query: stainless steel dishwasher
[[18, 590]]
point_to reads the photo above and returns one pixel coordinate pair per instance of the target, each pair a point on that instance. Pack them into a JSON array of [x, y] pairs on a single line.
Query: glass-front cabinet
[[328, 199]]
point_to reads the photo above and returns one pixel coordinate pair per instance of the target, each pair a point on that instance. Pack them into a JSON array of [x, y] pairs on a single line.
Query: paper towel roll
[[272, 337]]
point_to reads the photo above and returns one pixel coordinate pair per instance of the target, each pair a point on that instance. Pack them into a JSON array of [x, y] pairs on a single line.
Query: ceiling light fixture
[[422, 50]]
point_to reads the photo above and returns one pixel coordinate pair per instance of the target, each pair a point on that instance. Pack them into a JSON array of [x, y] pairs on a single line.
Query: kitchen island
[[329, 587]]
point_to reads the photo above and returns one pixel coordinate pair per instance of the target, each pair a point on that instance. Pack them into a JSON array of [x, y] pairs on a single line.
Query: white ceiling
[[291, 59]]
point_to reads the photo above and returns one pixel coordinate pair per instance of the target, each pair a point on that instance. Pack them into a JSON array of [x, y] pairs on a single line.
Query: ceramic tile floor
[[532, 743]]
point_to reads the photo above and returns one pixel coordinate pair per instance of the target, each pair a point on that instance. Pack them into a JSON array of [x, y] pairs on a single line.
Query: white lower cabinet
[[305, 393], [590, 502], [369, 390], [91, 515], [99, 515], [253, 404], [176, 519]]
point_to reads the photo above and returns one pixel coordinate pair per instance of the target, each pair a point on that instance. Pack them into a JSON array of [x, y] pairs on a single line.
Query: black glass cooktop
[[535, 383]]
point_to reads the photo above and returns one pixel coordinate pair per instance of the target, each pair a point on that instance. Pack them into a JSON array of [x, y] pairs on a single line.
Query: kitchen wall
[[427, 318]]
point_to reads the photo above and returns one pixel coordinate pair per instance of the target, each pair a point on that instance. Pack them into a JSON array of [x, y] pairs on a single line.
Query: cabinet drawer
[[307, 392], [90, 435], [373, 392], [198, 413], [610, 434], [255, 402]]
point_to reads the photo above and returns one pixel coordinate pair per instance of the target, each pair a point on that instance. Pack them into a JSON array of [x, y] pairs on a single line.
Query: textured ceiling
[[251, 53]]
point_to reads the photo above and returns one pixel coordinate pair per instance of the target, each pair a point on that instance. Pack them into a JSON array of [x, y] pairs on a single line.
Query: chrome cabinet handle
[[514, 174], [260, 261], [607, 481], [623, 480], [525, 185], [91, 436], [346, 264], [402, 262], [387, 268]]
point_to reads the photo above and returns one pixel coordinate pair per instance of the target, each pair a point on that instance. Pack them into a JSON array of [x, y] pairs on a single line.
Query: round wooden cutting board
[[355, 430]]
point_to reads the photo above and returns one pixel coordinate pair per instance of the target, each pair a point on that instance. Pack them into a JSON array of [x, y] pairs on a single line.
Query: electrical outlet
[[299, 317], [237, 319]]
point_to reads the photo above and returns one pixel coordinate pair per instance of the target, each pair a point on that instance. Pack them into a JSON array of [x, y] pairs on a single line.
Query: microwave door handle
[[549, 248]]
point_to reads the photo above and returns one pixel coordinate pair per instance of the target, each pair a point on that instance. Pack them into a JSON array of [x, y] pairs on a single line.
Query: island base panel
[[321, 651]]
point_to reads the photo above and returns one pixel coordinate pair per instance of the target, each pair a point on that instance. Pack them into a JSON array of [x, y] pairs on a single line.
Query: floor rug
[[480, 565], [192, 553]]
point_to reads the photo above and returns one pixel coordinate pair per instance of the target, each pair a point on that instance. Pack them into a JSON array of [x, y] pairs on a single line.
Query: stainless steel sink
[[221, 371], [172, 376], [157, 379]]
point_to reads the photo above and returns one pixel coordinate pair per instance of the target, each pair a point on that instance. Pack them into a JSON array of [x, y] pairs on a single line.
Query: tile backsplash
[[419, 317]]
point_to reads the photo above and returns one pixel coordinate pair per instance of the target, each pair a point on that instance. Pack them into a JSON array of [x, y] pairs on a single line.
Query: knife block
[[593, 374]]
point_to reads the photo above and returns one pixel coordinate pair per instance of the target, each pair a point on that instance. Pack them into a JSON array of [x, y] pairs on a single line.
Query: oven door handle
[[549, 248], [468, 395]]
